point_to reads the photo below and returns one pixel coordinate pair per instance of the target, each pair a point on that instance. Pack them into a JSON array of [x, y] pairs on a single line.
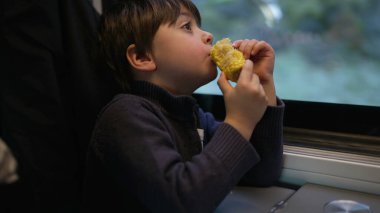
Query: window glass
[[326, 50]]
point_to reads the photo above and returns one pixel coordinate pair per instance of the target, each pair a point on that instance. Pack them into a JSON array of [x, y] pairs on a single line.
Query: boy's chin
[[212, 76]]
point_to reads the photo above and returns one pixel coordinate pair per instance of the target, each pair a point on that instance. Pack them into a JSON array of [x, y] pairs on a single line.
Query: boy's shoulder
[[125, 103]]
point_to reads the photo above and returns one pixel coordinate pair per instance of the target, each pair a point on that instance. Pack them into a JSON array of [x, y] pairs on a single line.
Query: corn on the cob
[[227, 58]]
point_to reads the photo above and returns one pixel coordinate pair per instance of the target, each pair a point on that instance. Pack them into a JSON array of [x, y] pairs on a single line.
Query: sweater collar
[[181, 106]]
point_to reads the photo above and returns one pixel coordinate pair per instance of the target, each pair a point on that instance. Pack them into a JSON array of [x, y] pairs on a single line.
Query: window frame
[[328, 126]]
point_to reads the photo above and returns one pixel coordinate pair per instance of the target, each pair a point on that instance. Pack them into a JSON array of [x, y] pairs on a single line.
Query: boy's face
[[182, 55]]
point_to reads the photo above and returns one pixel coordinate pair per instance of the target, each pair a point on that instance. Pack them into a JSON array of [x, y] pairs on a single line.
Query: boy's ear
[[140, 62]]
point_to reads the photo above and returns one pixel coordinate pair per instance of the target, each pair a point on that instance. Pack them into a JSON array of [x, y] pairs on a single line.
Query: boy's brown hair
[[136, 22]]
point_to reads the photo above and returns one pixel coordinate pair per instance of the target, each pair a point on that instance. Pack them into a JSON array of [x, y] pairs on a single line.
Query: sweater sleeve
[[267, 140], [137, 147]]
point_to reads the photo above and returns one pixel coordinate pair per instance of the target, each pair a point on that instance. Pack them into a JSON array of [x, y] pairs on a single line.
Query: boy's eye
[[187, 26]]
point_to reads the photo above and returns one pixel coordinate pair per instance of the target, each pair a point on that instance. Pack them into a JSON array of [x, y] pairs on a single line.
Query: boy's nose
[[207, 37]]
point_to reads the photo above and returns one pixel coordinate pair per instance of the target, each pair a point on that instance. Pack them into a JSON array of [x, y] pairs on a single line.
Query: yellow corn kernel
[[227, 58]]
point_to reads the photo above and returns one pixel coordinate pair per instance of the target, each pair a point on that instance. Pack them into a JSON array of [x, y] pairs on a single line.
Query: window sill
[[330, 168]]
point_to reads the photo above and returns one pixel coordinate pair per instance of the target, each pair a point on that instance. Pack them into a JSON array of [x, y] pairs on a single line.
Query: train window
[[327, 65]]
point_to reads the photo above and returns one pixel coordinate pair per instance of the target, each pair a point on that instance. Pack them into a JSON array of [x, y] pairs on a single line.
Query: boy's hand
[[263, 56], [246, 102]]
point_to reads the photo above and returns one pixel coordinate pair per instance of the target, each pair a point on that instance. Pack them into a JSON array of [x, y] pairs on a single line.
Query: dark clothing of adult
[[148, 154], [52, 87]]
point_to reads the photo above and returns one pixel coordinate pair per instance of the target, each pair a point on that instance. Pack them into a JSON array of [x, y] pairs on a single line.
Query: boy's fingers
[[237, 43], [243, 45], [223, 83], [261, 45], [248, 49], [247, 71]]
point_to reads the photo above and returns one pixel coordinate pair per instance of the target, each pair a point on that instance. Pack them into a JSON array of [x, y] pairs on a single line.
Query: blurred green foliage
[[327, 50]]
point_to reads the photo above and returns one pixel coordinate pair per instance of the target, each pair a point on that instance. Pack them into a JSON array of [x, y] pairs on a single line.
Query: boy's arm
[[270, 91], [267, 139], [243, 107], [246, 102], [142, 153]]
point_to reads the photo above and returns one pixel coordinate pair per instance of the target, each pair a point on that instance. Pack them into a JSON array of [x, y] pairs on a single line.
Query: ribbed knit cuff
[[236, 153], [271, 125]]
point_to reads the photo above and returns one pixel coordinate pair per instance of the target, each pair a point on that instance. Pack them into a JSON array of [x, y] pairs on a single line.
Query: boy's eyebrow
[[186, 14]]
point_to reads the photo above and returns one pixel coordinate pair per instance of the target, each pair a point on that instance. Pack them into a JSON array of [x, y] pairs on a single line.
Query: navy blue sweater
[[146, 154]]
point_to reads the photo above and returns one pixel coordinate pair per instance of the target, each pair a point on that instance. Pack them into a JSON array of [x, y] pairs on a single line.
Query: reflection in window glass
[[326, 51]]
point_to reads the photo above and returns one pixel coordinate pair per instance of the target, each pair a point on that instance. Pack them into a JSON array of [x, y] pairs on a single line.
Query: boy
[[153, 149]]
